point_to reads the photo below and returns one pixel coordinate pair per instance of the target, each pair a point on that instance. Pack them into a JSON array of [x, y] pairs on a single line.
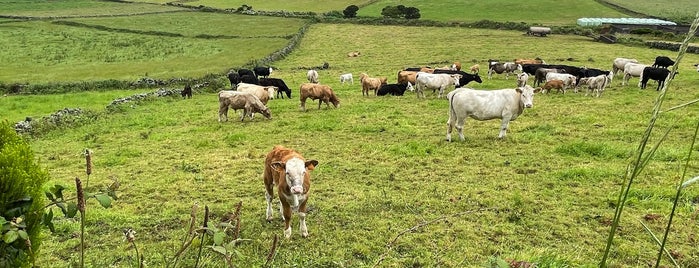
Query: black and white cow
[[242, 72], [662, 61], [591, 72], [465, 77], [282, 88], [657, 74], [503, 67], [394, 89], [262, 71]]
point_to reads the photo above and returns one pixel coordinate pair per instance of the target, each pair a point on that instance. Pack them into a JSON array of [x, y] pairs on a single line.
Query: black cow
[[657, 74], [187, 92], [662, 61], [393, 89], [234, 78], [242, 72], [465, 77], [282, 88], [249, 79], [262, 71]]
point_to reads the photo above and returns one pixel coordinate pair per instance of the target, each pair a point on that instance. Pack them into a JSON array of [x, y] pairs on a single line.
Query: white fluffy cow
[[346, 78], [264, 93], [312, 76], [619, 63], [568, 79], [597, 84], [632, 70], [506, 104], [435, 82]]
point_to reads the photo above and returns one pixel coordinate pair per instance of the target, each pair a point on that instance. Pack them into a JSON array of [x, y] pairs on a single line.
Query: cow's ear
[[311, 164], [277, 166], [519, 90]]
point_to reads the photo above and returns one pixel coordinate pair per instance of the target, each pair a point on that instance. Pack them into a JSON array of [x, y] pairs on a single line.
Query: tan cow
[[264, 93], [371, 83], [529, 61], [406, 76], [290, 172], [553, 84], [322, 93], [353, 54], [475, 68], [235, 100]]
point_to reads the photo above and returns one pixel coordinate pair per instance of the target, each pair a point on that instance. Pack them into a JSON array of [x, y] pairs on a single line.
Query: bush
[[350, 11], [21, 199]]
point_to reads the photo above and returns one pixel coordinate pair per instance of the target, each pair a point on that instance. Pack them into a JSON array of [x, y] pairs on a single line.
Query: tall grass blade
[[657, 241]]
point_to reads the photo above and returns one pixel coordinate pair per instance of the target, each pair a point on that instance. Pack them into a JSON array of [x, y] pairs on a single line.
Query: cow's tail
[[452, 112]]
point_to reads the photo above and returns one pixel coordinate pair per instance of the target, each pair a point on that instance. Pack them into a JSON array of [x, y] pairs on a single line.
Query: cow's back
[[482, 104]]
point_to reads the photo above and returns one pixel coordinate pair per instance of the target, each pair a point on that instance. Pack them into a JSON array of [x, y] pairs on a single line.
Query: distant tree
[[412, 13], [350, 11], [391, 12]]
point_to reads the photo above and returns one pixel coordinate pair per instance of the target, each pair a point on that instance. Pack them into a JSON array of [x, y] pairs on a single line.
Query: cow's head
[[295, 171], [697, 65], [527, 96], [456, 78], [266, 113], [410, 87]]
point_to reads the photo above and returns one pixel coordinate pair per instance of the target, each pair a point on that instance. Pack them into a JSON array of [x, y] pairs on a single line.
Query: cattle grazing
[[353, 54], [234, 78], [633, 70], [249, 79], [264, 93], [240, 100], [242, 72], [553, 84], [312, 76], [406, 77], [262, 71], [346, 78], [371, 83], [475, 69], [394, 89], [420, 69], [506, 104], [503, 67], [597, 84], [619, 63], [322, 93], [540, 74], [652, 73], [522, 79], [529, 61], [456, 66], [279, 84], [435, 82], [289, 171], [465, 77], [187, 92], [663, 61], [568, 80], [591, 72]]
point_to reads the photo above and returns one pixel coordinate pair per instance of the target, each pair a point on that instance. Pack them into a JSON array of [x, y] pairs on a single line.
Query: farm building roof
[[640, 21]]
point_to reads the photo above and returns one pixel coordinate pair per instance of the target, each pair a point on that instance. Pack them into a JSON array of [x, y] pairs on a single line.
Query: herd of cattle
[[290, 172]]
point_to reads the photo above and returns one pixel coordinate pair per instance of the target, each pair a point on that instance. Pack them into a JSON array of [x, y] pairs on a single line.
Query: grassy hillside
[[679, 11], [75, 8], [296, 5], [544, 194]]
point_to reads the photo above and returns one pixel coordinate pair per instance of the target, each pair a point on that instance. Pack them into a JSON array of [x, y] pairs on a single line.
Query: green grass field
[[543, 195], [682, 10], [76, 8]]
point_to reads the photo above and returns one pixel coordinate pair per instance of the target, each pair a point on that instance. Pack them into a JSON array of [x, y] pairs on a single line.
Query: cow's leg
[[302, 220], [287, 221], [460, 126], [503, 127], [303, 104], [269, 197], [450, 125], [223, 112], [320, 101]]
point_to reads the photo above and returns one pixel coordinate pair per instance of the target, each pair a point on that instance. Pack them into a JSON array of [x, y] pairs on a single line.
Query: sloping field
[[680, 9], [545, 194], [273, 5], [76, 8]]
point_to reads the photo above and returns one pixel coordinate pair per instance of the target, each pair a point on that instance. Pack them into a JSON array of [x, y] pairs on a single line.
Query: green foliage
[[21, 205], [400, 11], [350, 11]]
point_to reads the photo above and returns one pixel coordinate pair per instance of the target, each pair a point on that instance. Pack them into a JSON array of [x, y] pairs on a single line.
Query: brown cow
[[290, 172], [353, 54], [371, 83], [475, 68], [322, 93], [557, 84], [529, 61], [456, 66], [406, 76], [240, 100]]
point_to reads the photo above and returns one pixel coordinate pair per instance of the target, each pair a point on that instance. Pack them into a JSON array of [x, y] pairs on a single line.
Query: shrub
[[21, 199], [350, 11]]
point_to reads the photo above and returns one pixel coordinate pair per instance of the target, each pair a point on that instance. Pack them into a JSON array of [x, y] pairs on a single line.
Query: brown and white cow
[[568, 80], [482, 105], [371, 83], [503, 67], [290, 172], [475, 69], [553, 84], [322, 93], [249, 103]]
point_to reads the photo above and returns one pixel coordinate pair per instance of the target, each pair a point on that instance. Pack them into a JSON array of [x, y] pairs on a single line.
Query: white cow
[[346, 78], [503, 67], [522, 79], [312, 76], [697, 65], [264, 93], [482, 105], [435, 81], [568, 79], [619, 64], [597, 84], [633, 70]]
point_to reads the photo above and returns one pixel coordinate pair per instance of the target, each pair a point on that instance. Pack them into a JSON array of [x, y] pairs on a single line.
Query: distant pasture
[[76, 8]]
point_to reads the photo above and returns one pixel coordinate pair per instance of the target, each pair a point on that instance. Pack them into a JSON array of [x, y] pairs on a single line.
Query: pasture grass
[[77, 8], [544, 194], [681, 11], [545, 12], [275, 5]]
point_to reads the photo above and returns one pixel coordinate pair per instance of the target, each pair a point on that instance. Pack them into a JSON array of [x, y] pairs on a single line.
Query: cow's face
[[266, 113], [456, 78], [295, 171], [527, 98]]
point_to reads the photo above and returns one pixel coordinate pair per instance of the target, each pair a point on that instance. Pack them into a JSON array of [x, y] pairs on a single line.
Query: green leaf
[[3, 221], [72, 210], [218, 238], [48, 220], [10, 237], [49, 195], [104, 200], [23, 234], [62, 206], [218, 249], [58, 191]]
